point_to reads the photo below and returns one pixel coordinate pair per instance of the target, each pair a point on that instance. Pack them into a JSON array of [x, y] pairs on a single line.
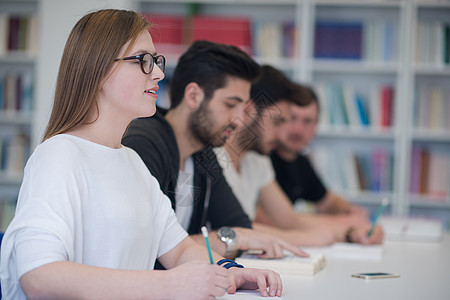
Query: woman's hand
[[268, 282]]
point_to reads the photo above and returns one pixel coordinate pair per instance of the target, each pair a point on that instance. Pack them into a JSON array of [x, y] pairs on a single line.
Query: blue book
[[363, 116], [338, 40]]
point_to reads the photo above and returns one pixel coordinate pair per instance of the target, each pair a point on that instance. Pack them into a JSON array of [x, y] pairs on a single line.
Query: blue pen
[[205, 235], [384, 204]]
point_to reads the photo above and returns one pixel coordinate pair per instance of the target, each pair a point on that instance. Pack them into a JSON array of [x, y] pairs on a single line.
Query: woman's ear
[[193, 95]]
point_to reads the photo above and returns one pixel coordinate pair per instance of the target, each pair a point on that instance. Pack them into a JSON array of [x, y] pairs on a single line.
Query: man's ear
[[193, 95]]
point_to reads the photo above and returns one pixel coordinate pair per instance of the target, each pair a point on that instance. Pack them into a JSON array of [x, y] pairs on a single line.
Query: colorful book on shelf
[[351, 111], [430, 174], [2, 95], [436, 108], [350, 172], [375, 107], [338, 40], [366, 171], [288, 265], [324, 121], [360, 173], [269, 39], [446, 44], [13, 33], [363, 115], [33, 34], [424, 171], [4, 20], [415, 171], [387, 96], [24, 23], [439, 181], [289, 39], [390, 42], [10, 92], [335, 102], [167, 32], [432, 106], [227, 30], [381, 170], [412, 229], [16, 92]]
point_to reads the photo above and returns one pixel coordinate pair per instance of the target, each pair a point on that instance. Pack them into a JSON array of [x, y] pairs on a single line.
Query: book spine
[[424, 171], [446, 44], [386, 106], [415, 171], [338, 40]]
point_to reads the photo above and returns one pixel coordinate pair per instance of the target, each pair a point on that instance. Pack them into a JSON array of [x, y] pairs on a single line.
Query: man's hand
[[271, 246], [359, 235]]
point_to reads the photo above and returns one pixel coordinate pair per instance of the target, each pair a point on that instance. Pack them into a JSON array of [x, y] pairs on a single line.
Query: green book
[[446, 44]]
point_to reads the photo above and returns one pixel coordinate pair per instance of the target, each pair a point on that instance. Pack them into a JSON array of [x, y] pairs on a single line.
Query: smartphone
[[375, 275]]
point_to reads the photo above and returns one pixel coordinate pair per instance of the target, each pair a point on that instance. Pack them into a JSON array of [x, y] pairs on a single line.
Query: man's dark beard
[[200, 125], [249, 137]]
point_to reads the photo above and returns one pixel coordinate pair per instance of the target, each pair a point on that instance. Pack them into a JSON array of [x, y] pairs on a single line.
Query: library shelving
[[18, 46], [429, 144]]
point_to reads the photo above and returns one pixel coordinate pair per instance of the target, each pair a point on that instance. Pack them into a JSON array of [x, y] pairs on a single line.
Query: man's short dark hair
[[271, 87], [304, 94], [210, 64]]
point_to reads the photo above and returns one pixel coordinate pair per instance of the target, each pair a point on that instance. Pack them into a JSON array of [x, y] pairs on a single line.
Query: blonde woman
[[91, 220]]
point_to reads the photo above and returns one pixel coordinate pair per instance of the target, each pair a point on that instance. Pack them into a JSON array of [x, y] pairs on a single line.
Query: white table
[[424, 270]]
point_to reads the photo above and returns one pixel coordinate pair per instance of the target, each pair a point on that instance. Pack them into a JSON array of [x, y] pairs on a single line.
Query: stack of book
[[289, 264]]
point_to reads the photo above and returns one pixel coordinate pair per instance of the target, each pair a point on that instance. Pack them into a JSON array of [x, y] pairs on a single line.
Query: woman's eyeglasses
[[147, 61]]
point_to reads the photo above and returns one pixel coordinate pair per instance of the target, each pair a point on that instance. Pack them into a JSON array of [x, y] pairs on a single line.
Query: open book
[[412, 229], [348, 251], [289, 264]]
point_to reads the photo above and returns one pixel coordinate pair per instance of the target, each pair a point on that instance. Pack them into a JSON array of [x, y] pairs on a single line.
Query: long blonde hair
[[90, 50]]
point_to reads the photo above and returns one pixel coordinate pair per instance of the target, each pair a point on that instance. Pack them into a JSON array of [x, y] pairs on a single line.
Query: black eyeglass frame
[[140, 57]]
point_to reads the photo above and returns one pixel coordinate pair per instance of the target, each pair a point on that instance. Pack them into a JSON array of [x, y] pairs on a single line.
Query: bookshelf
[[18, 49], [382, 56]]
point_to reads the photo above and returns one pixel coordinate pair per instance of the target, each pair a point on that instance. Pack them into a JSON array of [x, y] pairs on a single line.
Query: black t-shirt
[[214, 202], [298, 178]]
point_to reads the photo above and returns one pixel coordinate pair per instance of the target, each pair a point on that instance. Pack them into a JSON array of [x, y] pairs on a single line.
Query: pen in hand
[[384, 204], [205, 235]]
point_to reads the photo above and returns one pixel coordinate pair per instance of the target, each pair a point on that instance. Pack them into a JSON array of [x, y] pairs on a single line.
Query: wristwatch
[[228, 236]]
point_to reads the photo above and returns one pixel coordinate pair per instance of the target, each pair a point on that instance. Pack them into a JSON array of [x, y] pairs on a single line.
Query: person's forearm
[[333, 204], [68, 280], [313, 236], [190, 250], [216, 245]]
